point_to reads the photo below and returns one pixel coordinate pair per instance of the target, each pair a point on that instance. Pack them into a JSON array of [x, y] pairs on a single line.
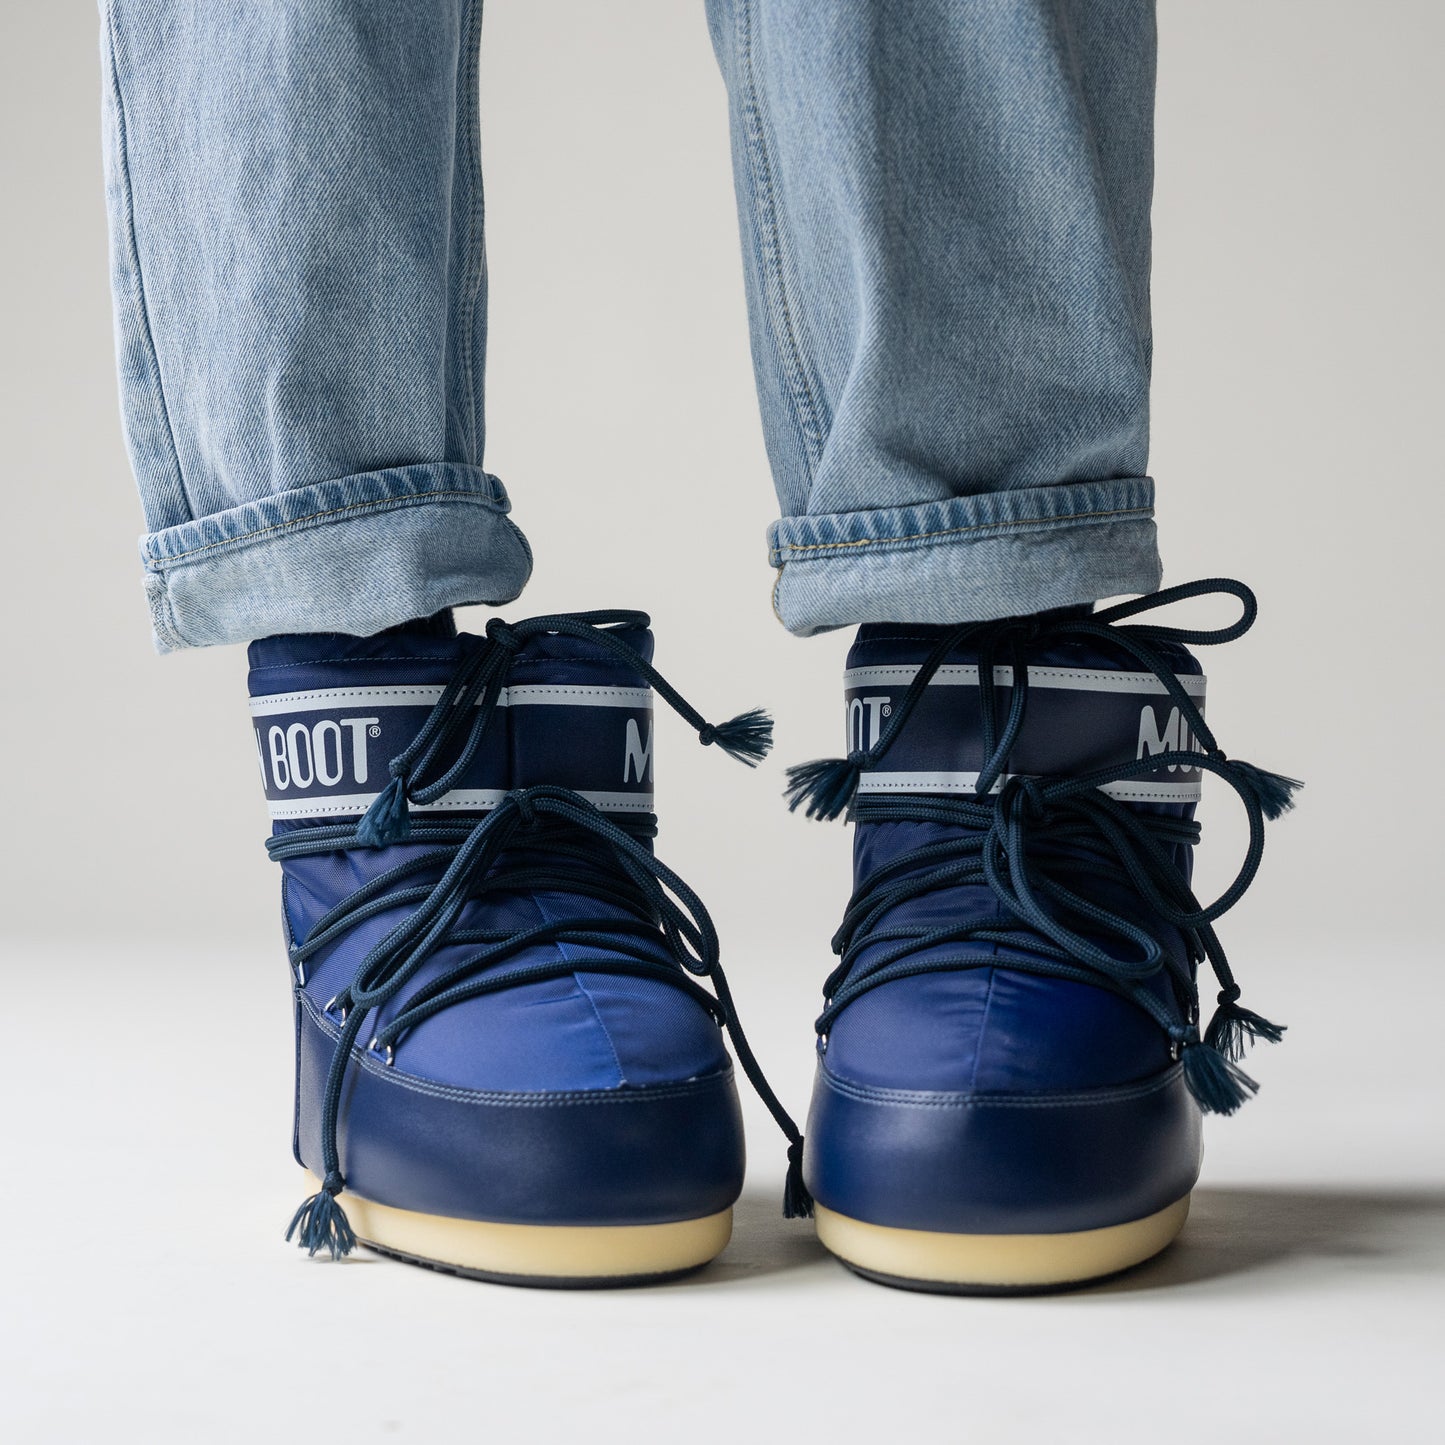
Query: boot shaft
[[330, 713]]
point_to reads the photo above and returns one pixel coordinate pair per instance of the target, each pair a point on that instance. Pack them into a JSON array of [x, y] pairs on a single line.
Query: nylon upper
[[1011, 1042], [592, 1088], [993, 1028]]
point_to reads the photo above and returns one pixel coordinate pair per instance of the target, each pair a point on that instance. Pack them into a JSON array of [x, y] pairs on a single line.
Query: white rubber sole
[[996, 1263], [578, 1256]]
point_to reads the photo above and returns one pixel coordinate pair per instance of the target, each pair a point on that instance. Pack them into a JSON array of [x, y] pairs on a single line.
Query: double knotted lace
[[1049, 848], [536, 839]]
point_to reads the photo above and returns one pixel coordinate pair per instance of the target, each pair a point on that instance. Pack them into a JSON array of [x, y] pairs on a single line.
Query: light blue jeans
[[945, 222]]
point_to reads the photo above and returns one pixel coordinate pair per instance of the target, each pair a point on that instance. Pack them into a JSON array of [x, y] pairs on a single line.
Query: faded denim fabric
[[945, 221], [297, 265], [945, 217]]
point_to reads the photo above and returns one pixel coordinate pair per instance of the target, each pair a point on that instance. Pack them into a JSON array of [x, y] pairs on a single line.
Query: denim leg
[[945, 219], [296, 248]]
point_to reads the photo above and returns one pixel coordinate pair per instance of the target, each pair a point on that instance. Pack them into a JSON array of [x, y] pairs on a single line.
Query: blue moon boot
[[1011, 1068], [508, 1065]]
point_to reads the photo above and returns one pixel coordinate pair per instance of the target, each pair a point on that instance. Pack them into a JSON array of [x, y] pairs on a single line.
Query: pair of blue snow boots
[[513, 1029]]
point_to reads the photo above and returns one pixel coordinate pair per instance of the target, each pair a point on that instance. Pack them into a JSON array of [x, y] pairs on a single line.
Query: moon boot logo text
[[329, 752]]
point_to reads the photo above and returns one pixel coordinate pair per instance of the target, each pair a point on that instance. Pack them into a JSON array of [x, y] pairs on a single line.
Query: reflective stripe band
[[468, 800], [1078, 720], [1129, 790], [537, 694], [1074, 679], [327, 752]]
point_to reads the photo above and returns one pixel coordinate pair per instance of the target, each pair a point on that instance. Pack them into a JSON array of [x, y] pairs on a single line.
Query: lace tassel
[[321, 1222], [1234, 1027], [1274, 791], [1219, 1086], [826, 785], [387, 820], [797, 1202], [747, 737]]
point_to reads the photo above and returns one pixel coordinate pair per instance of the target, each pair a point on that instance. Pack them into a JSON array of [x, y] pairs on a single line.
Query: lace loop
[[470, 698], [503, 635], [808, 782]]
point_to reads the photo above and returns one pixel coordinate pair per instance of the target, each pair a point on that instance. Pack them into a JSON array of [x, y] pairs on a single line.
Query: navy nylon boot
[[1011, 1072], [505, 1058]]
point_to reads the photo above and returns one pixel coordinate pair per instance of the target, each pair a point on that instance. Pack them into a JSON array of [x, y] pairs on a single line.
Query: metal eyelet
[[334, 1004]]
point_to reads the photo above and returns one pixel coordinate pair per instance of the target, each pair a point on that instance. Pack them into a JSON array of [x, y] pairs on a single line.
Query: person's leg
[[296, 244], [946, 228], [945, 216], [298, 269]]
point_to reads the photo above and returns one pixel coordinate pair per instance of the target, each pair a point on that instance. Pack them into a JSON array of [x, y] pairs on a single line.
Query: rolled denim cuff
[[356, 555], [967, 559]]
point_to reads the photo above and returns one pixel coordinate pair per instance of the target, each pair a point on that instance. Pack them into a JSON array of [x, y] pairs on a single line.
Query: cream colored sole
[[540, 1254], [997, 1262]]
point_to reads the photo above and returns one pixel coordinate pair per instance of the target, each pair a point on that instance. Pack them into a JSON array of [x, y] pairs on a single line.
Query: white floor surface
[[147, 1294]]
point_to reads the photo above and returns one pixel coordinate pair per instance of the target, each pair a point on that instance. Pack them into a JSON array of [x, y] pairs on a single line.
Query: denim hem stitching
[[376, 503], [163, 614], [998, 526]]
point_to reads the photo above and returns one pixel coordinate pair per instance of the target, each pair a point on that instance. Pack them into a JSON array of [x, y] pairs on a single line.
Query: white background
[[144, 1055]]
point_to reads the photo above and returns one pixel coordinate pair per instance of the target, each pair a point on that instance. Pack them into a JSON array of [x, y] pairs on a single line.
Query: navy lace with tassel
[[668, 935], [1044, 845]]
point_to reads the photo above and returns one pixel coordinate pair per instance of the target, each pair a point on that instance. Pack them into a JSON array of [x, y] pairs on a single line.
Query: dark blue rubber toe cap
[[629, 1155], [1002, 1163], [985, 1101]]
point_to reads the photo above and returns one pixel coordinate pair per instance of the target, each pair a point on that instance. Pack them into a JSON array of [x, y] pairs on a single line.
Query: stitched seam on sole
[[1119, 1094]]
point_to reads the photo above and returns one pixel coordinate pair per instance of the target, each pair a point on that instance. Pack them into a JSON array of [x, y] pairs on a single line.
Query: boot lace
[[1049, 847], [536, 839]]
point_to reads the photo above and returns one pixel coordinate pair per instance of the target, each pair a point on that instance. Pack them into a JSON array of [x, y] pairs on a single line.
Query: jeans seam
[[382, 502], [1111, 228], [132, 245], [471, 118], [770, 261], [166, 624], [975, 527]]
